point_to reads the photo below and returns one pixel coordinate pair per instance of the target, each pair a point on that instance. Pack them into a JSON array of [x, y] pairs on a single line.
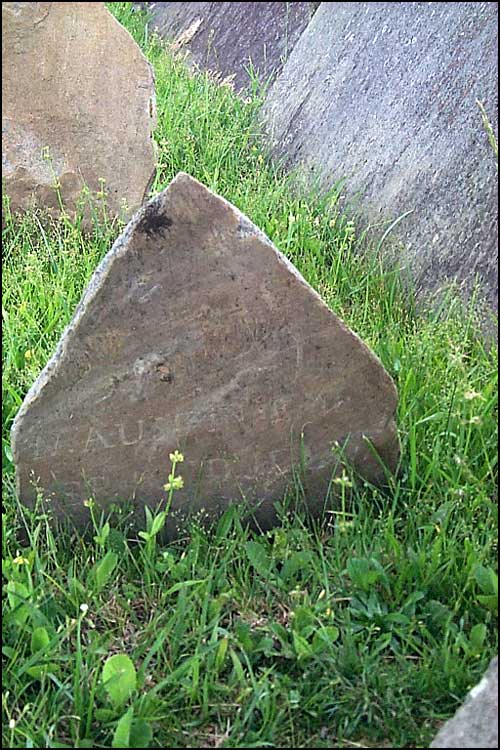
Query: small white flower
[[470, 395], [84, 608]]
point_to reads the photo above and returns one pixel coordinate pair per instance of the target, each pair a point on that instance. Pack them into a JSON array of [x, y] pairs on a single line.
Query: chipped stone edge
[[246, 229]]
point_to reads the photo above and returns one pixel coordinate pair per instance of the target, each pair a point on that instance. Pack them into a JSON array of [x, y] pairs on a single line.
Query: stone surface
[[196, 334], [384, 95], [476, 723], [74, 82], [224, 37]]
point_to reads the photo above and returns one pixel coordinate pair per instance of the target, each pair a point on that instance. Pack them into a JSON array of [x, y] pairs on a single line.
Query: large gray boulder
[[78, 108], [476, 723], [226, 37], [384, 94], [196, 334]]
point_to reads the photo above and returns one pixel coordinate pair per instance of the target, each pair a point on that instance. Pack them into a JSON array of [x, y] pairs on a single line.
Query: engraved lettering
[[140, 434], [42, 449], [246, 373], [96, 441]]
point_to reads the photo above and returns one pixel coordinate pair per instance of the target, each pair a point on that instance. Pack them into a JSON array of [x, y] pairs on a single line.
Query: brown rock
[[75, 86], [196, 334]]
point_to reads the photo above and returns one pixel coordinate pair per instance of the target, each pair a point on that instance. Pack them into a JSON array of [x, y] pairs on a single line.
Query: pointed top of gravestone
[[196, 334]]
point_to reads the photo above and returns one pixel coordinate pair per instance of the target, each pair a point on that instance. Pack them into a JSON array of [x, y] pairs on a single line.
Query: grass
[[363, 629]]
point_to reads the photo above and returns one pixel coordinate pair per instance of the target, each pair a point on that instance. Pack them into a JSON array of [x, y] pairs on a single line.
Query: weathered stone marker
[[227, 37], [196, 334], [74, 85], [384, 95]]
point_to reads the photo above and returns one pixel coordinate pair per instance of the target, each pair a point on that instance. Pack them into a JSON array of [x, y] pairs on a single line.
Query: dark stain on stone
[[166, 375], [153, 222]]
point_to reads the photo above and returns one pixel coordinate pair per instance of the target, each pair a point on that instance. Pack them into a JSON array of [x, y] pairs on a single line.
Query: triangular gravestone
[[196, 334]]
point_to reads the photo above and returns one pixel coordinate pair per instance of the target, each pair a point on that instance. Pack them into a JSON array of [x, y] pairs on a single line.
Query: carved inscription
[[134, 437], [197, 335], [96, 441]]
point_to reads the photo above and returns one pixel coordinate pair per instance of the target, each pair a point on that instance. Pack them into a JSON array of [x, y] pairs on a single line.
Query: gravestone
[[384, 95], [476, 722], [196, 334], [78, 107], [225, 37]]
